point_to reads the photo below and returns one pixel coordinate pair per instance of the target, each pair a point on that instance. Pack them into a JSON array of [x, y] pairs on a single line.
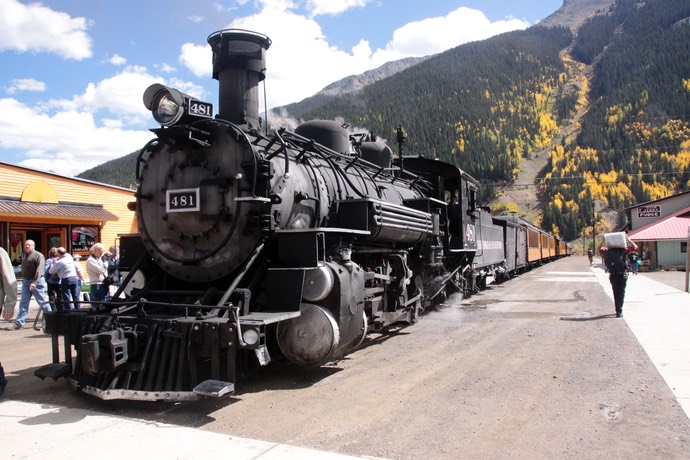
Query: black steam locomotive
[[255, 247]]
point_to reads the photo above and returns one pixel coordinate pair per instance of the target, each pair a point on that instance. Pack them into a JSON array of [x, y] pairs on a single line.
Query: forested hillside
[[488, 106], [482, 105], [634, 142], [120, 171]]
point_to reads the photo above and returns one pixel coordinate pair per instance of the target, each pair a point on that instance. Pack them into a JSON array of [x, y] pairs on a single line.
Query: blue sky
[[72, 73]]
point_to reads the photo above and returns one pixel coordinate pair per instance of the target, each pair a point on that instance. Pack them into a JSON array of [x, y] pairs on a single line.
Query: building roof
[[672, 227], [46, 210], [61, 176]]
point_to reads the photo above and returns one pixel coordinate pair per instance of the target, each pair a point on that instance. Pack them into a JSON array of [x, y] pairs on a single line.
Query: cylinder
[[318, 283]]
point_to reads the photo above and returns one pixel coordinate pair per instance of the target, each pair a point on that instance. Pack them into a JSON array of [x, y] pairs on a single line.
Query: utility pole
[[584, 241], [594, 229], [687, 264]]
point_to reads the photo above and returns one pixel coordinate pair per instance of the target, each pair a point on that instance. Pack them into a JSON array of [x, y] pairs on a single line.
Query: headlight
[[167, 111], [250, 336], [170, 106]]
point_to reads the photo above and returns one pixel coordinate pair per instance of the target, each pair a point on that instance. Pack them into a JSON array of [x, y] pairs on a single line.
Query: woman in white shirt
[[97, 269], [64, 267]]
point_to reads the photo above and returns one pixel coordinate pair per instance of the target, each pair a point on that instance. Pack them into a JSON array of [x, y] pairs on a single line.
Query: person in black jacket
[[616, 262], [113, 277]]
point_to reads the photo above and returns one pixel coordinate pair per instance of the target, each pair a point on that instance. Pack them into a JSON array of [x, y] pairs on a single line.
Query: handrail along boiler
[[254, 246]]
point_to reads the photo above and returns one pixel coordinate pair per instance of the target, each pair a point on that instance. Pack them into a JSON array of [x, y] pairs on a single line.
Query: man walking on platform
[[33, 282], [616, 262]]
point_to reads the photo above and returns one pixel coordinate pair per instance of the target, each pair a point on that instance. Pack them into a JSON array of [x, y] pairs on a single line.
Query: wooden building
[[660, 229], [55, 210]]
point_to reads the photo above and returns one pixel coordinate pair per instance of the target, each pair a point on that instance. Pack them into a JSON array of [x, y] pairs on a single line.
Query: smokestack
[[239, 64]]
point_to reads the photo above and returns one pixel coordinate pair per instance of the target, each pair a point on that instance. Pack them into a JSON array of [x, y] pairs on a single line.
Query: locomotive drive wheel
[[311, 338]]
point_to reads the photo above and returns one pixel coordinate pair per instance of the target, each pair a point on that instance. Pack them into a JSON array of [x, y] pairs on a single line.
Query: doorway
[[37, 236]]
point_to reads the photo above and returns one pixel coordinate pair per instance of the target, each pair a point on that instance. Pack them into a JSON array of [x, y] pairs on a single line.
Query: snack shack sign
[[646, 212]]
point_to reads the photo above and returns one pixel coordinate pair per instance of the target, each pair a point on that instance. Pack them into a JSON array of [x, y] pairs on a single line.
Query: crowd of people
[[55, 282]]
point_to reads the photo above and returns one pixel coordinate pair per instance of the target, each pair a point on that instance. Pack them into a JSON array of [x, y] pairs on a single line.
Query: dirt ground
[[536, 367]]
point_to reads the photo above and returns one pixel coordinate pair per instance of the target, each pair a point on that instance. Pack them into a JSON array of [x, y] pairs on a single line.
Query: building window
[[684, 247], [83, 238], [17, 246]]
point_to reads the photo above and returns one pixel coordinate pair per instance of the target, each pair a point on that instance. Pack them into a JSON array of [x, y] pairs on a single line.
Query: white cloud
[[117, 60], [112, 123], [26, 84], [434, 35], [298, 44], [68, 142], [330, 7], [68, 136], [195, 18], [190, 88], [122, 94], [220, 8], [119, 95], [197, 58], [166, 68], [37, 28]]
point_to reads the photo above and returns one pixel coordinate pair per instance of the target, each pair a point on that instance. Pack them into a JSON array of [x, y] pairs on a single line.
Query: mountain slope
[[521, 195], [120, 171], [357, 82], [281, 116], [483, 105], [634, 142], [573, 13]]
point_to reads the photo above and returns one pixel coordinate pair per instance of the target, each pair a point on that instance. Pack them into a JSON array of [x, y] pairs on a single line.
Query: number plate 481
[[182, 200]]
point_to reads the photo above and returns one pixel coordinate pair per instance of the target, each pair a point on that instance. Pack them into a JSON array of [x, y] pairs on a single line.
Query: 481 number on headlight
[[200, 109]]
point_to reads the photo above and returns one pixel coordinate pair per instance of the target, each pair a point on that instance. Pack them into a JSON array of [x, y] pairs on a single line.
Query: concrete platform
[[34, 431], [659, 314]]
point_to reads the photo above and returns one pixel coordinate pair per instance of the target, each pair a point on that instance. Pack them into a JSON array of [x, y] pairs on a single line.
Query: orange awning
[[54, 211]]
